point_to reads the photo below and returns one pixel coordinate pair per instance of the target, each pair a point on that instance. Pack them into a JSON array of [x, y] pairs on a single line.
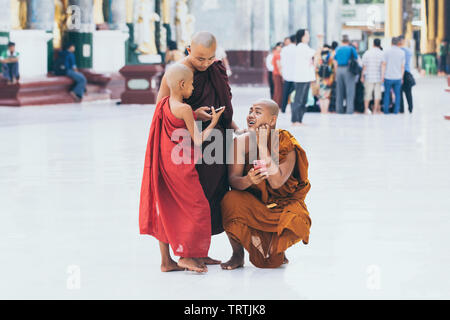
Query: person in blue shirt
[[345, 80], [408, 79], [67, 66]]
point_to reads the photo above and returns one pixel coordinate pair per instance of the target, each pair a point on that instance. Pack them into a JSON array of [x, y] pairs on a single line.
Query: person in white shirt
[[304, 74], [288, 58], [269, 67], [372, 62]]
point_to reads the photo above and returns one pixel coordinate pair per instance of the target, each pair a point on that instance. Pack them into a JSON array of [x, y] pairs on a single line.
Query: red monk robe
[[173, 207], [211, 89]]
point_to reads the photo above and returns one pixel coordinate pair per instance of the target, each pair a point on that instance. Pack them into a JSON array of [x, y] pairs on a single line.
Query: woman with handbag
[[408, 79]]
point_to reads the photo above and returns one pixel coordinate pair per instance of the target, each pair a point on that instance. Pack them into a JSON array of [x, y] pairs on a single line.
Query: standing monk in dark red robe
[[211, 89], [173, 207]]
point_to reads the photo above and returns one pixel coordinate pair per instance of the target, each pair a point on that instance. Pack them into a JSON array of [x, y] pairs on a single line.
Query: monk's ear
[[273, 121], [182, 84]]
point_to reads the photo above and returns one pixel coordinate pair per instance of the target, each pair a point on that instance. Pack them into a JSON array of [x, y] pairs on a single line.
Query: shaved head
[[176, 73], [202, 51], [204, 38], [269, 104]]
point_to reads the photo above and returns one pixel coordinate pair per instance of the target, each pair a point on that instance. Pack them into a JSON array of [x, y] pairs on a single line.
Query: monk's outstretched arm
[[198, 137]]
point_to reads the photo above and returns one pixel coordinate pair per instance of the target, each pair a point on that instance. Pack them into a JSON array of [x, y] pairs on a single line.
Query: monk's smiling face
[[201, 57], [262, 112]]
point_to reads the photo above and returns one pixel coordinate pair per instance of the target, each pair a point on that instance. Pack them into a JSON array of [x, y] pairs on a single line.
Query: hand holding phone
[[215, 114], [260, 164]]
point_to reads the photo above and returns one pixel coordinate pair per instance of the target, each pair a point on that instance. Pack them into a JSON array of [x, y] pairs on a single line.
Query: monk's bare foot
[[236, 261], [192, 264], [285, 261], [170, 265], [209, 260]]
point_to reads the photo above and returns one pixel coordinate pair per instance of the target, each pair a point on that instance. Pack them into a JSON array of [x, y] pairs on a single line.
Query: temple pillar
[[431, 26], [34, 43], [393, 26], [41, 16], [5, 23], [111, 43], [80, 31], [118, 15], [440, 22], [165, 13]]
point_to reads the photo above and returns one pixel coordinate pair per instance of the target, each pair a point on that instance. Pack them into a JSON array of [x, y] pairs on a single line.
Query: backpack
[[325, 71], [59, 68]]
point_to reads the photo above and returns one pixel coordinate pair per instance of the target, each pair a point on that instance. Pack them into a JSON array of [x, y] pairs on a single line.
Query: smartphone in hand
[[259, 164], [217, 110]]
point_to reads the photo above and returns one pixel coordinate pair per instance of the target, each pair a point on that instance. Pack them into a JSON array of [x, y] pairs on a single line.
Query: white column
[[118, 15], [40, 14], [5, 23], [111, 43], [32, 43], [5, 15]]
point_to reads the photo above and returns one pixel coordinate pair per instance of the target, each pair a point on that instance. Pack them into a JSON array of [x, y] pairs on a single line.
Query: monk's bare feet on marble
[[208, 260], [285, 261], [236, 261], [193, 264], [170, 265]]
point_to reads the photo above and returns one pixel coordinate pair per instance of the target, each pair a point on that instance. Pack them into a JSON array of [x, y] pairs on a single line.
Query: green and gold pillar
[[80, 28]]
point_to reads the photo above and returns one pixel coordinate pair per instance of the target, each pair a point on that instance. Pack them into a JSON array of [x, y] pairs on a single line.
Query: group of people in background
[[334, 78]]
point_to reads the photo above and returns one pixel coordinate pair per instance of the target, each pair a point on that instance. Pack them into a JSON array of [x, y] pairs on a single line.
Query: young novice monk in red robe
[[173, 206]]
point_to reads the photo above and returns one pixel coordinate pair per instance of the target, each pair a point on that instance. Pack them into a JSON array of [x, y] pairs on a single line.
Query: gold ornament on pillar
[[184, 23], [18, 14], [130, 4], [60, 22], [394, 18], [165, 8], [440, 22], [144, 27], [431, 26], [99, 18]]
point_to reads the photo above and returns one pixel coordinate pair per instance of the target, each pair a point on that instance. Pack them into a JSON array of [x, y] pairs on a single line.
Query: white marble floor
[[380, 205]]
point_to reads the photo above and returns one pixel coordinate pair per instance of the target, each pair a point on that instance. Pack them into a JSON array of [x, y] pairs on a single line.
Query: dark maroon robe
[[211, 89]]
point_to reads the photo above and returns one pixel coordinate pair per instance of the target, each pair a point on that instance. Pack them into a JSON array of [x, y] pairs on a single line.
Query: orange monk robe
[[267, 221]]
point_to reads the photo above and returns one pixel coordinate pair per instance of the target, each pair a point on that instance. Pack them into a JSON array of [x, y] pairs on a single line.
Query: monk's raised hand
[[262, 134], [216, 115], [202, 114], [256, 176]]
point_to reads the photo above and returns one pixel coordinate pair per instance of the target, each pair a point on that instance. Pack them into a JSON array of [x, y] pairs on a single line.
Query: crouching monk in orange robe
[[265, 213]]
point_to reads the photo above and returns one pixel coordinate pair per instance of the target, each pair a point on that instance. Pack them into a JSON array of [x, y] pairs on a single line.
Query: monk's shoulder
[[219, 67], [287, 142], [186, 63], [180, 109]]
